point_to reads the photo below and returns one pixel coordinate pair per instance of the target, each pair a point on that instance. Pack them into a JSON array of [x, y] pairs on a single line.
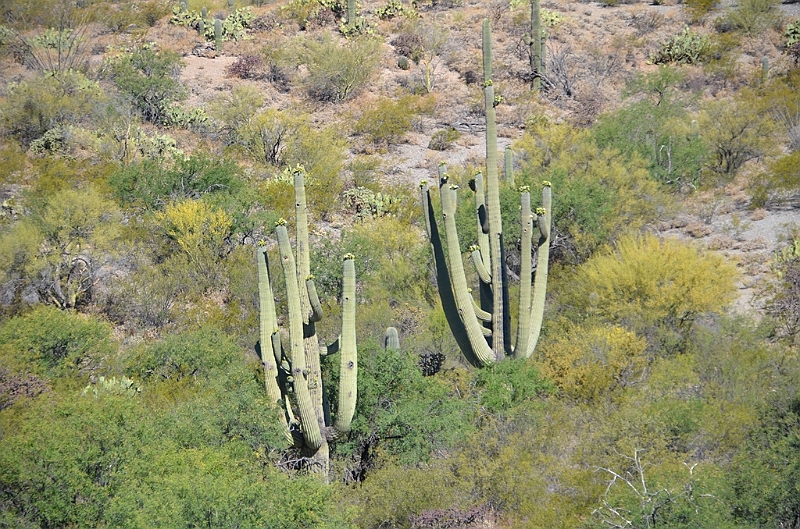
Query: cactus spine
[[481, 344], [218, 35], [293, 381]]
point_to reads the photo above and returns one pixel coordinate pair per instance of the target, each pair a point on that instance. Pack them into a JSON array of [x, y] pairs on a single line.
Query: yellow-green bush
[[590, 362], [645, 281]]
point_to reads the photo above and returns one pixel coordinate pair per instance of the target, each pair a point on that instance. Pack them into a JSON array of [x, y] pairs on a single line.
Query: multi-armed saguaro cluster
[[483, 331], [294, 380]]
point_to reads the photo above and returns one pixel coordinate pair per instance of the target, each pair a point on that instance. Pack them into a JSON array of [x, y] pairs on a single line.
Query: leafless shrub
[[562, 68], [247, 67], [647, 21]]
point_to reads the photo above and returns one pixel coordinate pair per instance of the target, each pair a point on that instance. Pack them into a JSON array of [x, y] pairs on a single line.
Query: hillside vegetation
[[148, 150]]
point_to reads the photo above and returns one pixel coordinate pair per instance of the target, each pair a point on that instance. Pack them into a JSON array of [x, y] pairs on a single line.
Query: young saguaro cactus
[[218, 35], [483, 331], [293, 378]]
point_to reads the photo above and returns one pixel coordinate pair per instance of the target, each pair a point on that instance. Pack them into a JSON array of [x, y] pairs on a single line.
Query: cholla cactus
[[293, 378], [483, 331]]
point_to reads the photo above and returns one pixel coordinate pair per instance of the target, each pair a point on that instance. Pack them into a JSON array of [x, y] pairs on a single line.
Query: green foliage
[[686, 48], [234, 26], [151, 184], [646, 282], [150, 79], [396, 8], [699, 8], [47, 102], [57, 249], [601, 194], [386, 121], [792, 33], [200, 233], [48, 341], [754, 17], [594, 362], [315, 12], [511, 384], [136, 461], [765, 473], [337, 70], [736, 131], [782, 100], [443, 139], [657, 128], [401, 412]]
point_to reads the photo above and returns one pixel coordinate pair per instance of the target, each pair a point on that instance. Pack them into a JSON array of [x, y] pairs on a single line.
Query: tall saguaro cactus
[[483, 330], [535, 41], [293, 378]]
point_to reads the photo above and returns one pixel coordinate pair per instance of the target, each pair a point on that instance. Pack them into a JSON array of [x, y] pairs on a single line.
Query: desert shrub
[[686, 48], [48, 341], [594, 362], [783, 294], [736, 131], [509, 385], [336, 70], [152, 183], [55, 253], [384, 122], [150, 79], [34, 107], [600, 193], [699, 8], [792, 32], [310, 13], [234, 26], [753, 17], [246, 67], [657, 128], [443, 139], [782, 99], [652, 285]]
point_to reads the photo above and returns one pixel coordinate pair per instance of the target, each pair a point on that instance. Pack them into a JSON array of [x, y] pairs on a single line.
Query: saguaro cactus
[[535, 41], [293, 379], [483, 331], [351, 12], [391, 339], [218, 35]]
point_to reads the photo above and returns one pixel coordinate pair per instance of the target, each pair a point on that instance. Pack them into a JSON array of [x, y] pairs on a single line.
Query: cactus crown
[[445, 177], [546, 183], [281, 222], [486, 83], [541, 211], [348, 257], [524, 189], [474, 248], [261, 243], [442, 163], [423, 183], [453, 187]]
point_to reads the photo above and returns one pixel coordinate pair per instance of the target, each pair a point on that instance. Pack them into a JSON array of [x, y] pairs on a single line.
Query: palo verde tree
[[293, 378], [483, 331]]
